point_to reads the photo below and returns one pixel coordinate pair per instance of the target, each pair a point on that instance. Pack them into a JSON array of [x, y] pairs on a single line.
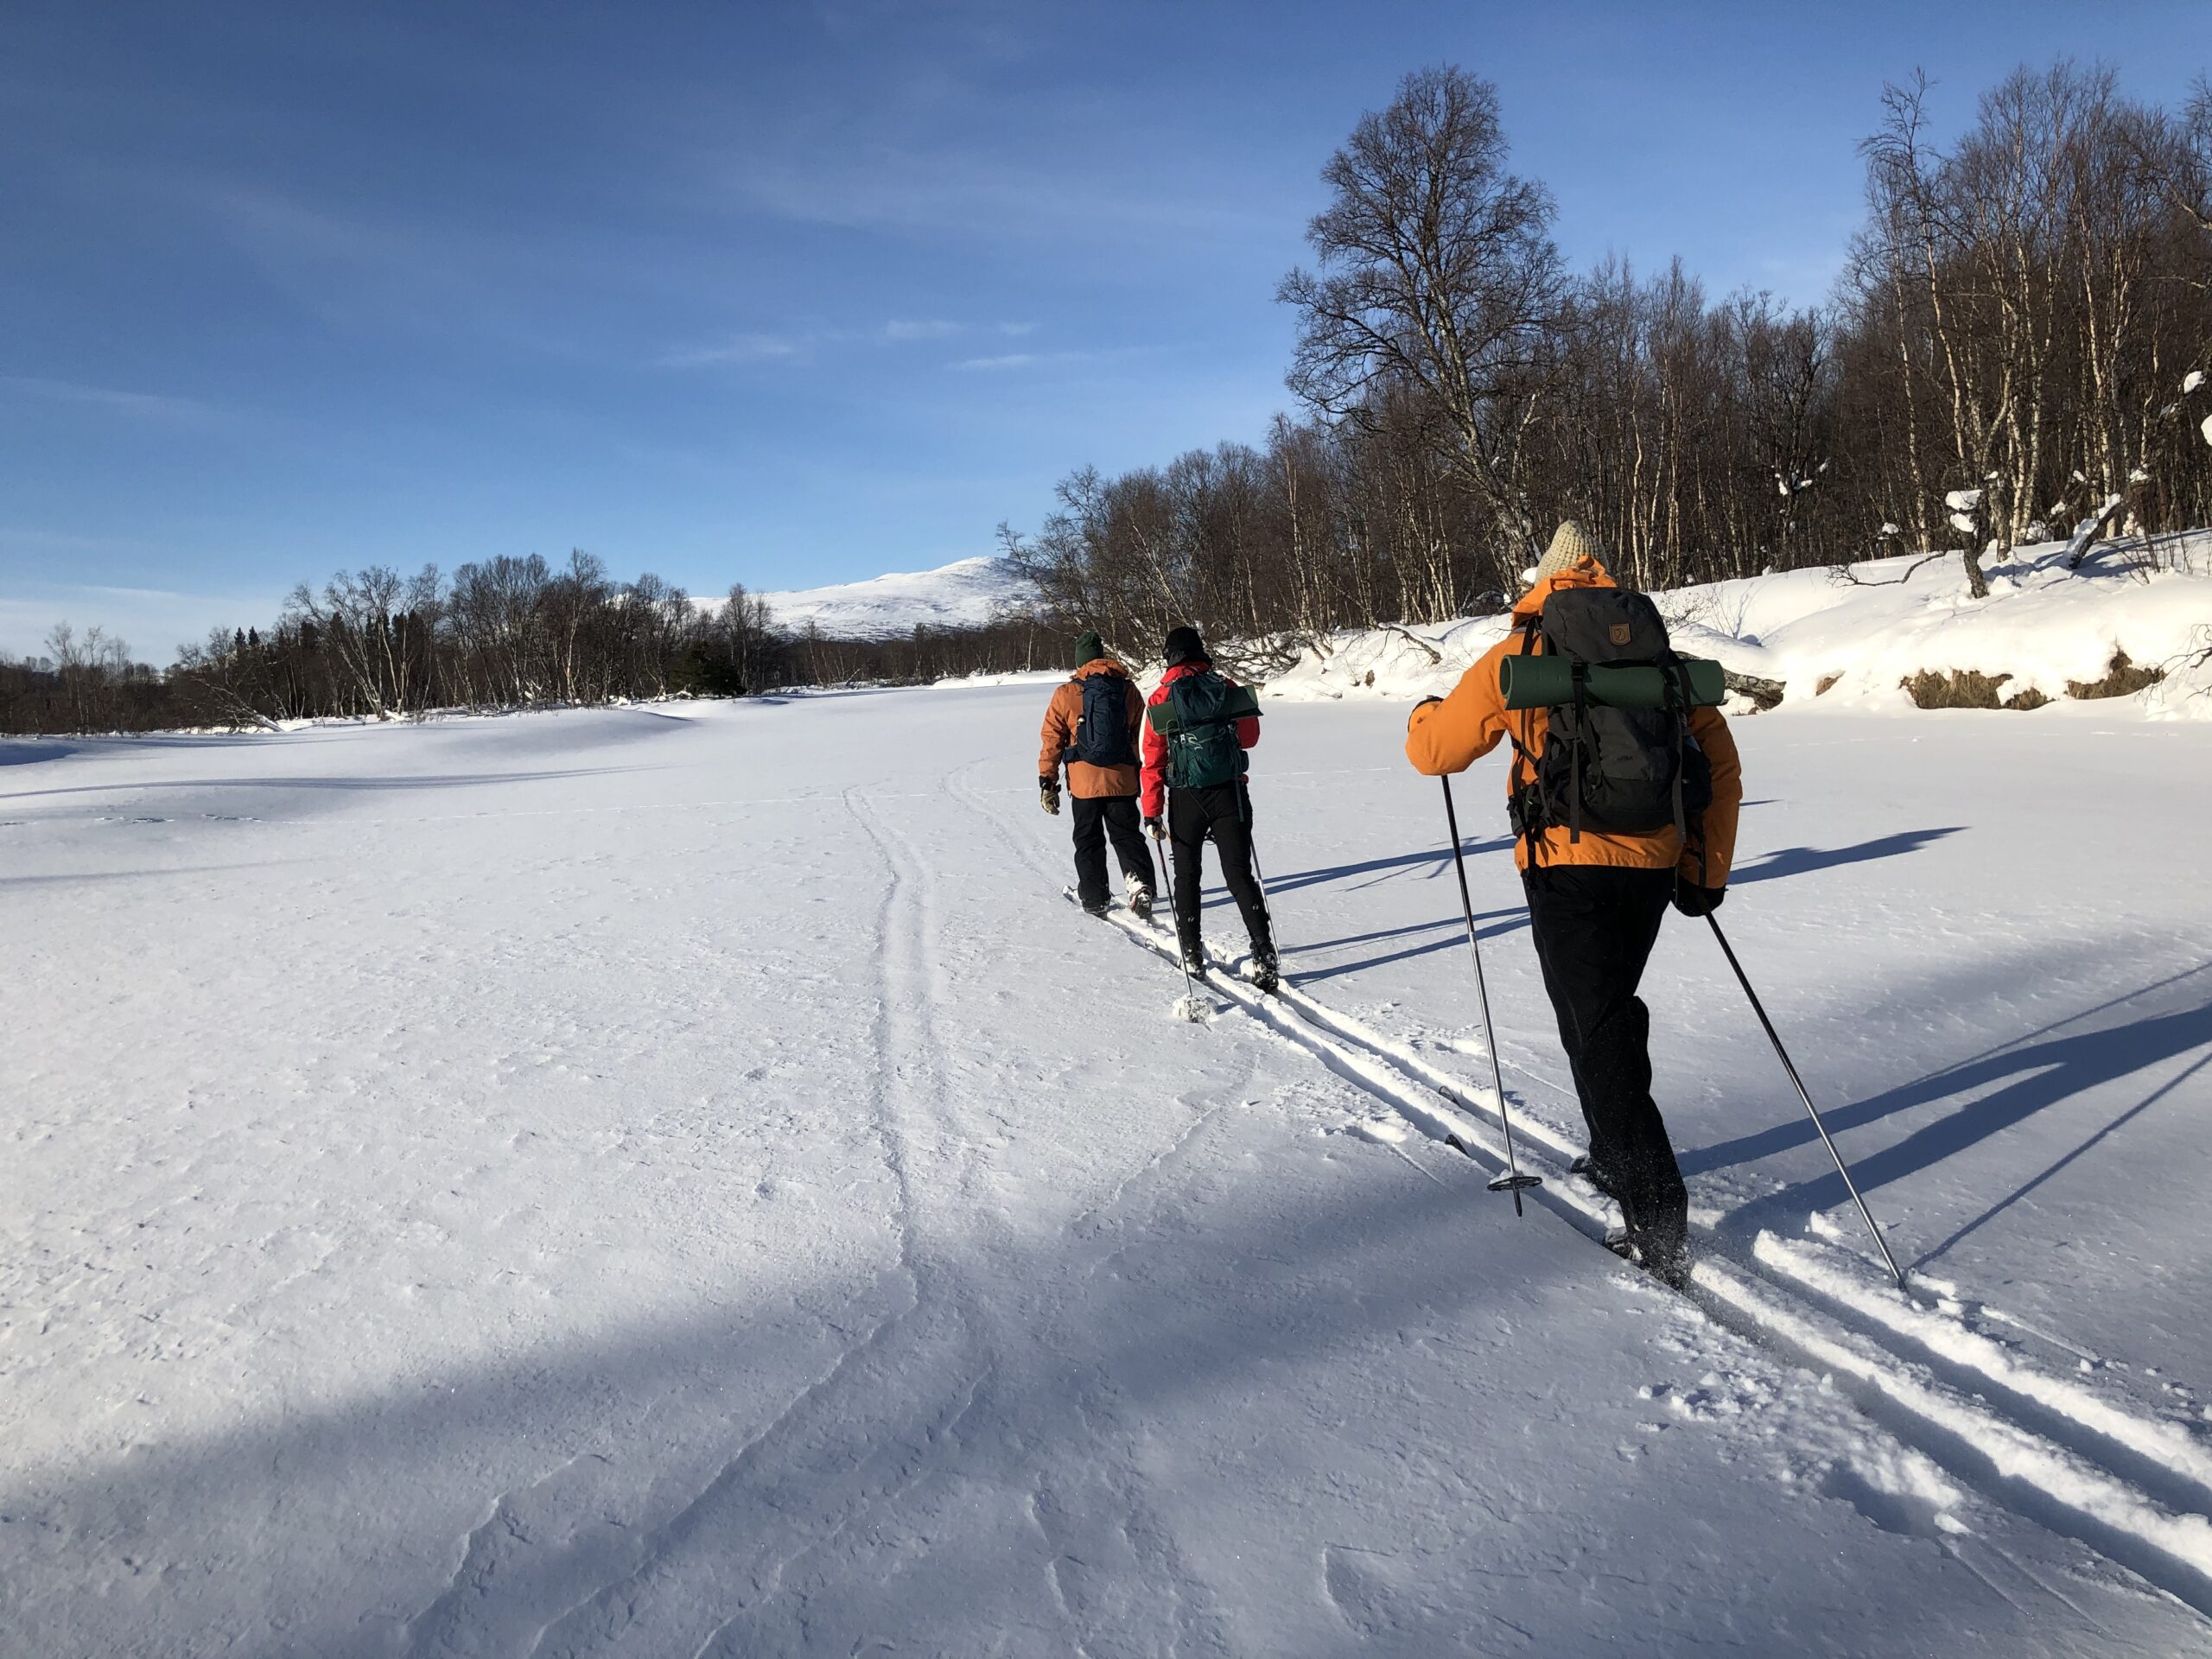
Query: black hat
[[1184, 646]]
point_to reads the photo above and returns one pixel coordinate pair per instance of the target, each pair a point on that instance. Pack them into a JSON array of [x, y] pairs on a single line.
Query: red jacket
[[1155, 746]]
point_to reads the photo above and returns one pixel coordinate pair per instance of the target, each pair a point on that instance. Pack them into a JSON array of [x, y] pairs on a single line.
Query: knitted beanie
[[1089, 647], [1184, 646], [1571, 544]]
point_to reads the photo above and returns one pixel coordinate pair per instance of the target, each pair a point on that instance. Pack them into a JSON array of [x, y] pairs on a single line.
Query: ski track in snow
[[845, 1446], [895, 1413], [2136, 1488]]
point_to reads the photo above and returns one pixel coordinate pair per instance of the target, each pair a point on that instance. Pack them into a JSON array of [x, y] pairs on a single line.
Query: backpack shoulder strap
[[1518, 785]]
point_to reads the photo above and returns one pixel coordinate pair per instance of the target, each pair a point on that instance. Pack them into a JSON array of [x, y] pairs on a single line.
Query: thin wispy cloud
[[151, 621], [766, 346], [151, 406], [938, 328], [1007, 361], [976, 195], [741, 350]]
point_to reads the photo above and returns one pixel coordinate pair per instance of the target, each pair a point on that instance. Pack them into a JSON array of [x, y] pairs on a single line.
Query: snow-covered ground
[[964, 594], [1848, 644], [683, 1181]]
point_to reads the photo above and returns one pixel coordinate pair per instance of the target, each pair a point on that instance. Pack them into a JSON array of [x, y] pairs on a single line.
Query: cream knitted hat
[[1571, 544]]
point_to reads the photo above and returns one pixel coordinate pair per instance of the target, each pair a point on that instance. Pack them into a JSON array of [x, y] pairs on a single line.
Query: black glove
[[1417, 708], [1048, 795], [1155, 828], [1694, 900]]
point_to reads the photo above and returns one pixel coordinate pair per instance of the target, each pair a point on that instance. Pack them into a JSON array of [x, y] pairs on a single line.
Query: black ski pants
[[1097, 818], [1594, 928], [1224, 814]]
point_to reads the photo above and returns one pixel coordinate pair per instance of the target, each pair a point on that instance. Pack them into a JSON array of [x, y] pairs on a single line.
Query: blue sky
[[788, 294]]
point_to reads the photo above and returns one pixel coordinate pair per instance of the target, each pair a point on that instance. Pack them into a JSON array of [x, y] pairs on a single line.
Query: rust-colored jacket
[[1451, 735], [1085, 780]]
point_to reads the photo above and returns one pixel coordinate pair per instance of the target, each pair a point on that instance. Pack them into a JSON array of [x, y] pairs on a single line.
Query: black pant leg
[[1540, 930], [1186, 832], [1232, 841], [1090, 849], [1125, 826], [1595, 928]]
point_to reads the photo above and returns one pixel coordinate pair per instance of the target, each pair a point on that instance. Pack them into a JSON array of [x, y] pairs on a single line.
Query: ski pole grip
[[1546, 681]]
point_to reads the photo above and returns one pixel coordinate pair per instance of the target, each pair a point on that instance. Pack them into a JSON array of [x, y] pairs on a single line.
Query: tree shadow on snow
[[754, 1493], [30, 750], [376, 785]]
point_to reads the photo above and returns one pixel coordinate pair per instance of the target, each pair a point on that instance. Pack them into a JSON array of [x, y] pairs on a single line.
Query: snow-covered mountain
[[967, 593]]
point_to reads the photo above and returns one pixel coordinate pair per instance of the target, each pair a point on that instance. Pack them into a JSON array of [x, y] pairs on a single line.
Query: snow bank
[[1850, 640]]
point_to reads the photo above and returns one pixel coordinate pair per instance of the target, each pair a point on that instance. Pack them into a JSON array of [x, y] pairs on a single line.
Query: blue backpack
[[1101, 735]]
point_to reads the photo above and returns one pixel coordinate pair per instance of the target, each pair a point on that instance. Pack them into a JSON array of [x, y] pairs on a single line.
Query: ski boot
[[1139, 899], [1658, 1242], [1194, 954], [1664, 1254], [1590, 1172], [1263, 970]]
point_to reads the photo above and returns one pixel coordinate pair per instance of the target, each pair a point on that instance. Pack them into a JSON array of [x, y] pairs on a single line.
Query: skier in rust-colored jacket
[[1092, 726]]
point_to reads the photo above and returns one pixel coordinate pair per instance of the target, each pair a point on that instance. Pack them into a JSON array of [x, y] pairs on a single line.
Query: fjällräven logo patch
[[1620, 633]]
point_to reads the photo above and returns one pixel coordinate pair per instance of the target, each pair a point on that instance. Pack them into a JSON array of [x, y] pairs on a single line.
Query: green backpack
[[1199, 723]]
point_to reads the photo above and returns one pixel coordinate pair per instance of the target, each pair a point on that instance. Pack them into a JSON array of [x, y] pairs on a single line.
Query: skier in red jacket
[[1202, 774]]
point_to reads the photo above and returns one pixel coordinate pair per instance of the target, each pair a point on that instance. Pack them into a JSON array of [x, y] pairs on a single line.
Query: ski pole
[[1175, 909], [1513, 1181], [1259, 876], [1783, 1054]]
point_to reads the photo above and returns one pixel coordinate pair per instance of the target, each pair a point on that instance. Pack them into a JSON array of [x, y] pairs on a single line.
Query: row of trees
[[508, 633], [2012, 351]]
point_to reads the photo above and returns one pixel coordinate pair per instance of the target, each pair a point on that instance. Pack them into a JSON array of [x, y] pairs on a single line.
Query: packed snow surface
[[683, 1181], [965, 594]]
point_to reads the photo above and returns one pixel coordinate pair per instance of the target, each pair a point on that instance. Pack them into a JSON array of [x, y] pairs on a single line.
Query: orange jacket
[[1155, 746], [1451, 735], [1088, 782]]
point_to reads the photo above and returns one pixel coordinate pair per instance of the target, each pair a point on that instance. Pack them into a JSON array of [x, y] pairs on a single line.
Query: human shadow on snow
[[2161, 1092], [1453, 935], [1775, 866], [2020, 1081], [1803, 861]]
